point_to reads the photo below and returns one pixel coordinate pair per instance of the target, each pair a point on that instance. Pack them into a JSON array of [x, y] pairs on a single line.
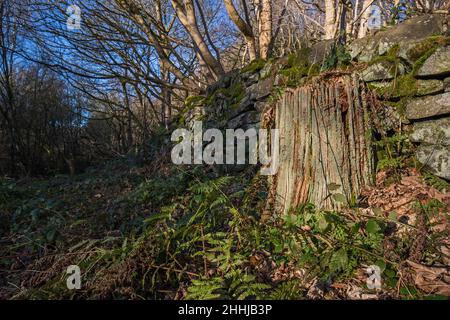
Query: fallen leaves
[[400, 196], [432, 280]]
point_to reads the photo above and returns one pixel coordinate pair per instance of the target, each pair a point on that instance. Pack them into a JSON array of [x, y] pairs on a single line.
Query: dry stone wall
[[407, 66]]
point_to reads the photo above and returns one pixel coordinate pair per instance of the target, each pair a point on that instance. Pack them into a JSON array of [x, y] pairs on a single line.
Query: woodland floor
[[164, 232]]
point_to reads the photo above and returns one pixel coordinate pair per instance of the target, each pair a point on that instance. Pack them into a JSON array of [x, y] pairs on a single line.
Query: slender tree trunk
[[343, 25], [365, 15], [265, 36], [330, 19]]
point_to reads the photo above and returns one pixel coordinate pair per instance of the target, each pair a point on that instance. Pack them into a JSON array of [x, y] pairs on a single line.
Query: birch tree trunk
[[265, 36], [365, 15], [330, 19], [326, 153]]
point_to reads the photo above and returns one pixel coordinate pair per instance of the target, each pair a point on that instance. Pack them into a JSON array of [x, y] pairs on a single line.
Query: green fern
[[205, 289], [436, 182], [287, 290]]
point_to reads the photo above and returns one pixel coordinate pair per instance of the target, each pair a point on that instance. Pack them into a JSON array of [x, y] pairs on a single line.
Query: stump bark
[[326, 154]]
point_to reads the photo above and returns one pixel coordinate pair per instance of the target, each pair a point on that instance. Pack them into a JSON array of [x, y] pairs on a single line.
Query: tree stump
[[326, 154]]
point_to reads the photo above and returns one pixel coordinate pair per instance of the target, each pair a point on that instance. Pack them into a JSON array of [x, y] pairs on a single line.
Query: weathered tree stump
[[326, 138]]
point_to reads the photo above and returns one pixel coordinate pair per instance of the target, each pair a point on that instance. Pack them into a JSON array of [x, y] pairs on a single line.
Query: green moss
[[402, 88], [338, 57], [299, 58], [405, 86], [420, 61], [298, 67], [390, 56], [424, 49], [314, 70], [399, 106], [190, 104], [294, 75], [427, 45], [254, 66], [194, 101], [232, 94]]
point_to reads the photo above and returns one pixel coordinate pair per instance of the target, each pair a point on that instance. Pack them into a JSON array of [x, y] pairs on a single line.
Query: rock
[[320, 51], [429, 106], [244, 121], [261, 89], [224, 82], [416, 28], [447, 84], [246, 104], [438, 64], [425, 87], [361, 50], [406, 49], [260, 106], [383, 70], [432, 132], [381, 85], [435, 157], [384, 89], [390, 90], [266, 71]]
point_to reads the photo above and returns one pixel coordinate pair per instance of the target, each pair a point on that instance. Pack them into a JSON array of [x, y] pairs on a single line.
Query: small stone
[[261, 89], [244, 121], [425, 87], [436, 158], [383, 70], [432, 132], [429, 106], [447, 84], [438, 64], [265, 71]]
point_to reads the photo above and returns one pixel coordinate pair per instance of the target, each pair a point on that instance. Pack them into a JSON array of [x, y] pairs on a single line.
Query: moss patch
[[254, 66], [298, 67], [424, 49], [404, 86], [390, 56]]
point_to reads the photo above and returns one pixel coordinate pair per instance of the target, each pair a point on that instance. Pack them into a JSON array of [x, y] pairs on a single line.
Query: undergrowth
[[189, 234]]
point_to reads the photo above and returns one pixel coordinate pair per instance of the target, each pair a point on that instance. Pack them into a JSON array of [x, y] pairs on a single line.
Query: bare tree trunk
[[265, 36], [365, 14], [167, 102], [326, 156], [186, 13], [330, 19], [71, 165], [244, 28], [343, 24]]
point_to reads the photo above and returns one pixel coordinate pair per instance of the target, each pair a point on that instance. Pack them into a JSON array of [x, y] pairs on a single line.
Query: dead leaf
[[432, 280]]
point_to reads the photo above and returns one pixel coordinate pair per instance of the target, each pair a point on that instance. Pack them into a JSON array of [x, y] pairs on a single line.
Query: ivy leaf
[[381, 264], [393, 216], [322, 223], [339, 197], [372, 226], [377, 211], [35, 214], [339, 260]]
